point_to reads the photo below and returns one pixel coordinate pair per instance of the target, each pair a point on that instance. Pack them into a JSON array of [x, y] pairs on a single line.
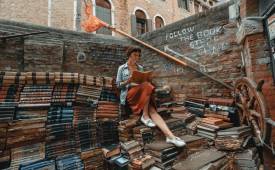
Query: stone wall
[[207, 41]]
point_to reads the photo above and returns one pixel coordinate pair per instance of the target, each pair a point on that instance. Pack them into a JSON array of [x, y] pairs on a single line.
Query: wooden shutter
[[133, 25]]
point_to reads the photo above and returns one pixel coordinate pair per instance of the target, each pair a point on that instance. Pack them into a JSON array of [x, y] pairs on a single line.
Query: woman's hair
[[130, 50]]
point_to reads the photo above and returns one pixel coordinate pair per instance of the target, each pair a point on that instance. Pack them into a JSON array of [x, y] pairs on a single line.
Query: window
[[159, 22], [141, 22], [103, 12], [183, 4]]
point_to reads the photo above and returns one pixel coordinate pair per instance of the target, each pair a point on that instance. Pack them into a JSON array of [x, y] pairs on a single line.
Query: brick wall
[[59, 50], [31, 11], [208, 39], [257, 60], [62, 12]]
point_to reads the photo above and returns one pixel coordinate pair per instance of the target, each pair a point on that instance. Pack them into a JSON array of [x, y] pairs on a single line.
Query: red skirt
[[137, 96]]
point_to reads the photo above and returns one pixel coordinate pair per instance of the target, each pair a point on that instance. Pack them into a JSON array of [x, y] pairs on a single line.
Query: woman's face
[[134, 57]]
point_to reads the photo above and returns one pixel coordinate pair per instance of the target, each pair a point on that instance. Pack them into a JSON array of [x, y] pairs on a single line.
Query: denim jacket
[[123, 74]]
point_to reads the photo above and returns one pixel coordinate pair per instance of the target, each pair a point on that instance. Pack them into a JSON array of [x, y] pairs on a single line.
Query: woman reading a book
[[136, 90]]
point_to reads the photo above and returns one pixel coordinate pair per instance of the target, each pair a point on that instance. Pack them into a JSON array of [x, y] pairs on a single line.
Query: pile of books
[[88, 95], [60, 132], [42, 165], [85, 134], [39, 78], [143, 134], [203, 159], [163, 153], [234, 138], [196, 105], [192, 126], [82, 113], [107, 132], [10, 87], [93, 159], [132, 149], [96, 81], [144, 162], [210, 125], [194, 144], [107, 110], [4, 153], [5, 159], [68, 162], [125, 129], [66, 78], [163, 95], [165, 110], [25, 132], [64, 94], [27, 154], [182, 113], [108, 95], [36, 96], [3, 136], [248, 159]]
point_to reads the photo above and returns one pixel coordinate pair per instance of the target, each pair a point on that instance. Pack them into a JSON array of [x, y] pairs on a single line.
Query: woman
[[139, 96]]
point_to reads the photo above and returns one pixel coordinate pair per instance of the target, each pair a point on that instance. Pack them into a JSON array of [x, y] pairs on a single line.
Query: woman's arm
[[119, 82]]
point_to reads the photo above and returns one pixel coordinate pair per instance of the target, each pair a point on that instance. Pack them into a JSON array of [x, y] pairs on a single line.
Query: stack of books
[[165, 110], [96, 81], [3, 136], [132, 149], [163, 95], [196, 105], [85, 135], [27, 154], [60, 132], [82, 113], [163, 153], [88, 95], [107, 132], [66, 78], [144, 162], [107, 110], [202, 159], [10, 86], [93, 159], [209, 126], [108, 94], [41, 165], [4, 152], [234, 138], [143, 134], [192, 126], [68, 162], [248, 159], [182, 113], [193, 144], [36, 96], [125, 129], [5, 159], [64, 94], [25, 132]]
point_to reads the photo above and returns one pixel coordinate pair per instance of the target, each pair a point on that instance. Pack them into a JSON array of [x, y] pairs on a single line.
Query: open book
[[140, 77]]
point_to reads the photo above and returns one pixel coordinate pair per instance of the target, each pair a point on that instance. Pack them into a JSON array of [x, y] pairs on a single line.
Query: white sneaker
[[147, 122], [176, 141]]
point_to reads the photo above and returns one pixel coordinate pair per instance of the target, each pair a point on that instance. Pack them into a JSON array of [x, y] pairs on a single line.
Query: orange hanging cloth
[[92, 23]]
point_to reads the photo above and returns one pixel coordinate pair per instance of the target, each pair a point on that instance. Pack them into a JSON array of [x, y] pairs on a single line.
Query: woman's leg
[[160, 122], [146, 110]]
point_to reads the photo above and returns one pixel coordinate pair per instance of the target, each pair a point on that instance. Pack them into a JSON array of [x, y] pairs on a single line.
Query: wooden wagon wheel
[[252, 108]]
